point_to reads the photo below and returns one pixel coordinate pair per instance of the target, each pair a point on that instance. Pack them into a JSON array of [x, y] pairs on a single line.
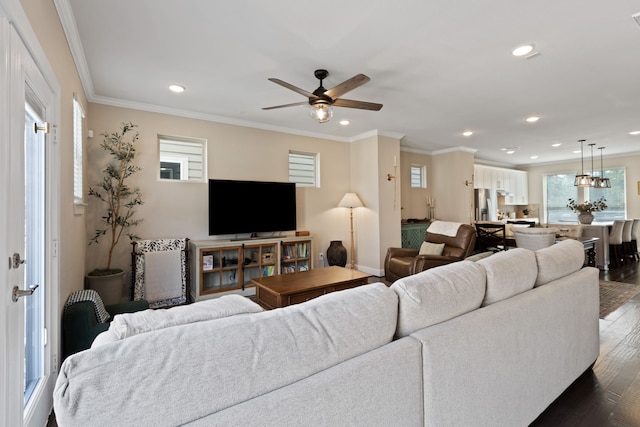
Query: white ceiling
[[439, 67]]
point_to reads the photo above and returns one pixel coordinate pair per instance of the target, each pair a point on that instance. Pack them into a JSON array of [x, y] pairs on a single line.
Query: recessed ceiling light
[[177, 88], [557, 144], [576, 151], [467, 133], [533, 119], [511, 151], [523, 50], [344, 122], [533, 157], [635, 132]]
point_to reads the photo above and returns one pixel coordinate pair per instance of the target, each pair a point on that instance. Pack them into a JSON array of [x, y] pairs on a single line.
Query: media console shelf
[[221, 266]]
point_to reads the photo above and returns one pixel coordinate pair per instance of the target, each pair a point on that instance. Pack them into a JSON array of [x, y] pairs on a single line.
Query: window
[[614, 196], [303, 169], [78, 115], [418, 176], [182, 159], [559, 189]]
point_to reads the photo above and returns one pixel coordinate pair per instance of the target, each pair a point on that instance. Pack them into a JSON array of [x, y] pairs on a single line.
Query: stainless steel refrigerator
[[486, 204]]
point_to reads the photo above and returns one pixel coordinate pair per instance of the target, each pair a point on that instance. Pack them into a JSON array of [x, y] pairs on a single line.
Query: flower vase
[[585, 217], [337, 253]]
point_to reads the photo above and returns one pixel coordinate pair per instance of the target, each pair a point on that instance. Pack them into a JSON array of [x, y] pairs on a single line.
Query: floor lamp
[[351, 200]]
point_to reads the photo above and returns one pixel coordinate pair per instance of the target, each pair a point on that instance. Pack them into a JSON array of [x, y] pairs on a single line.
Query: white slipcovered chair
[[534, 238], [160, 271]]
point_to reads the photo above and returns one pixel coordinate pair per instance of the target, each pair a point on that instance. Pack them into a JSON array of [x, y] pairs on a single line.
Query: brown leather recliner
[[402, 262]]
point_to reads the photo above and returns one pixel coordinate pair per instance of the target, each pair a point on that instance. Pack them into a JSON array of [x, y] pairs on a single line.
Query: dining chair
[[615, 243], [535, 238], [635, 233], [626, 241], [491, 237]]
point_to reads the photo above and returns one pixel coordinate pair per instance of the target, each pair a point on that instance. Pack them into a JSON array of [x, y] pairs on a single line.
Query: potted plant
[[584, 209], [120, 201]]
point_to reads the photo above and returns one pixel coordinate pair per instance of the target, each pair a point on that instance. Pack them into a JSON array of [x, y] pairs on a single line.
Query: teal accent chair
[[80, 325]]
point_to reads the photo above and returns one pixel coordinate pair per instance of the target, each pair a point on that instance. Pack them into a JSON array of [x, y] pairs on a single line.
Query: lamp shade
[[350, 200]]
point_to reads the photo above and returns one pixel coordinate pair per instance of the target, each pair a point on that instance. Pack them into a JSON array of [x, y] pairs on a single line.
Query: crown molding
[[454, 149], [415, 151], [376, 132], [63, 7]]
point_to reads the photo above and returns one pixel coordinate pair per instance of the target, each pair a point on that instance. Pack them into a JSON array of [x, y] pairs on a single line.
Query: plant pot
[[337, 253], [585, 217], [109, 287]]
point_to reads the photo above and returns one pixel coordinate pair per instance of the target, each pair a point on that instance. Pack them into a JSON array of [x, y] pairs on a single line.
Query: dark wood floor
[[609, 394]]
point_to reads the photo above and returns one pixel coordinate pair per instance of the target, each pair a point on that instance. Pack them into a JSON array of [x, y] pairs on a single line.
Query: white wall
[[181, 209], [414, 200]]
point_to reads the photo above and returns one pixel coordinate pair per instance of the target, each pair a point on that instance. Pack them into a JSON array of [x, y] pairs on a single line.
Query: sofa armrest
[[127, 307], [425, 262], [79, 327], [401, 252]]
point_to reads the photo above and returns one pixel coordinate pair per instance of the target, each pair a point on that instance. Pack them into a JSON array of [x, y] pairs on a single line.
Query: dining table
[[589, 244]]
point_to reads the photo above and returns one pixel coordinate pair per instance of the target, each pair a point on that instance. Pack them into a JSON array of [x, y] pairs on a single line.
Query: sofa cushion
[[559, 260], [431, 248], [509, 273], [130, 324], [223, 361], [438, 294]]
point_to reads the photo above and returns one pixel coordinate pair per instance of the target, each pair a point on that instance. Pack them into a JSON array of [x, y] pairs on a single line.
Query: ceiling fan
[[321, 100]]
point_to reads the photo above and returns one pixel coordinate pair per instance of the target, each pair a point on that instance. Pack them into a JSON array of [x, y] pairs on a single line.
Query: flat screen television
[[238, 207]]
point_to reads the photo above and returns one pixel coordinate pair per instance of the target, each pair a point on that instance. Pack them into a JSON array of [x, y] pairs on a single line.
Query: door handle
[[17, 292]]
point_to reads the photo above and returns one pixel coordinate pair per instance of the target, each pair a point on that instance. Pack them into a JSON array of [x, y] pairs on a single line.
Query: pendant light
[[604, 182], [595, 180], [582, 180]]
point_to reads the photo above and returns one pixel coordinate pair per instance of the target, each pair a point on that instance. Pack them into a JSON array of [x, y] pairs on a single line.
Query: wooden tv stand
[[228, 266]]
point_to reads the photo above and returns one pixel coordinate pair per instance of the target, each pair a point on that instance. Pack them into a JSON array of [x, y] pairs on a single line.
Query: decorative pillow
[[438, 294], [431, 248]]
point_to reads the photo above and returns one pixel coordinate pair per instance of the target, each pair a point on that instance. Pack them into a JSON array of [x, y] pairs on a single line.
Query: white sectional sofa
[[490, 343]]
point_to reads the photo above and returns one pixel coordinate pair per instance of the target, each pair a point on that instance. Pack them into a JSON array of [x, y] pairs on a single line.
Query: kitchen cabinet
[[514, 182]]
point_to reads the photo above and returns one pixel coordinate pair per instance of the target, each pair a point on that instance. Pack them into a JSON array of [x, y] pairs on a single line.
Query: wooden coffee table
[[285, 289]]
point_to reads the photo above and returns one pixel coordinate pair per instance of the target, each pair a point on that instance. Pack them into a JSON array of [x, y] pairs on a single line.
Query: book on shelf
[[303, 250], [268, 270], [207, 262]]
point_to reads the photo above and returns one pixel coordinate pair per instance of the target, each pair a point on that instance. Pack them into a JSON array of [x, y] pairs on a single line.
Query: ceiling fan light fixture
[[321, 112]]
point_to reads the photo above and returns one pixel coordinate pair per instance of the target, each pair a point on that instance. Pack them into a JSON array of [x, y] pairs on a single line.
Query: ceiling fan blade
[[292, 87], [295, 104], [347, 85], [348, 103]]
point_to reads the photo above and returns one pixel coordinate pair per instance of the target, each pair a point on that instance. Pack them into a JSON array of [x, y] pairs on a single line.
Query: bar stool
[[635, 234], [615, 244], [626, 241]]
